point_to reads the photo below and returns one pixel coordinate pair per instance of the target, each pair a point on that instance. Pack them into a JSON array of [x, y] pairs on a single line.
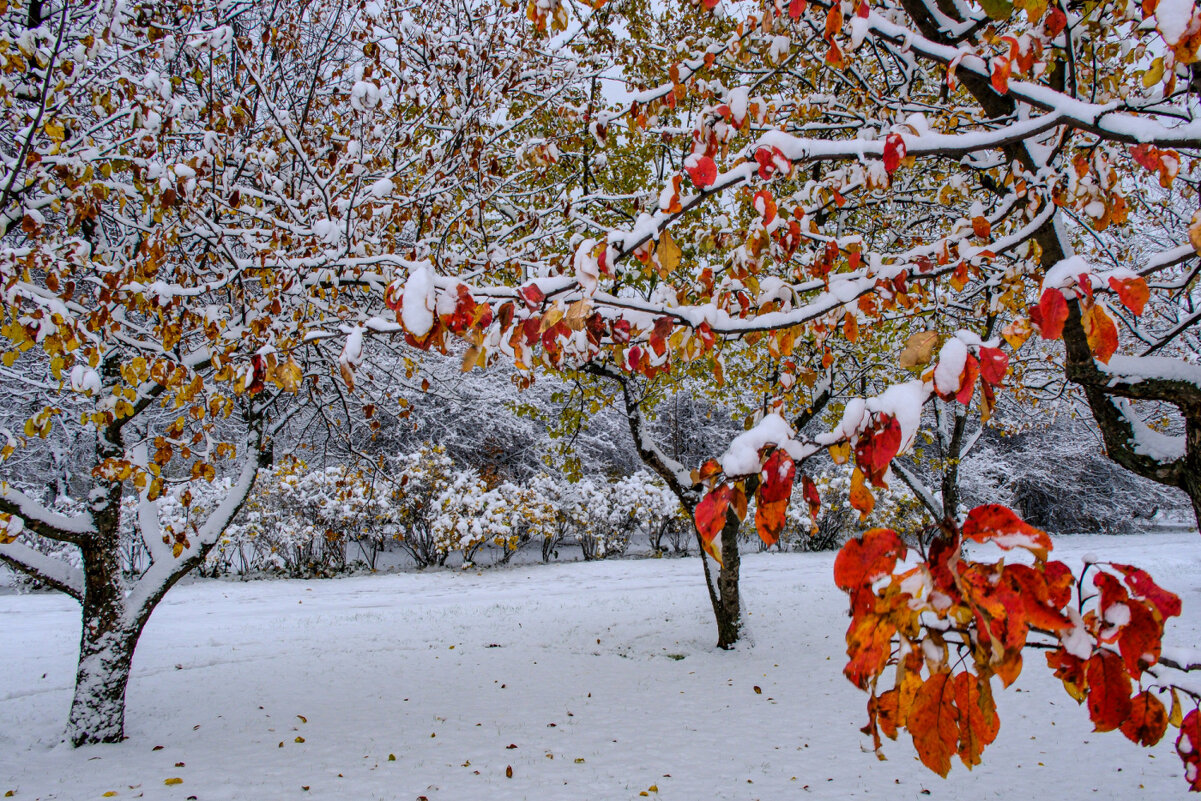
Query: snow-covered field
[[589, 681]]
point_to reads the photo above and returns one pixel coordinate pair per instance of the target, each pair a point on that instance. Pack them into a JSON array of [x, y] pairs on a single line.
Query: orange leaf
[[1148, 720], [1101, 332], [999, 525], [981, 226], [1109, 690], [978, 721], [1140, 640], [886, 712], [1132, 292], [864, 559], [711, 512], [1070, 670], [934, 723], [869, 643], [833, 21], [850, 328], [861, 497]]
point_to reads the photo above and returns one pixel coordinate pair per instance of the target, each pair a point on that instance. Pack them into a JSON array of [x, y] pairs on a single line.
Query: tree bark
[[727, 608], [107, 641]]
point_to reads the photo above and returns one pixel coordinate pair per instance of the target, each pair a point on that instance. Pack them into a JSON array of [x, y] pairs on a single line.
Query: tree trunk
[[105, 655], [726, 607], [106, 644]]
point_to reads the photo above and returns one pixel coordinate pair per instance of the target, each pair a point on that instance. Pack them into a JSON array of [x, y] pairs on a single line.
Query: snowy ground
[[591, 681]]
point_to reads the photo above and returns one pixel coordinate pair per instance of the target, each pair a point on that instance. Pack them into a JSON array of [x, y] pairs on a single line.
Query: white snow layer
[[419, 300], [603, 675]]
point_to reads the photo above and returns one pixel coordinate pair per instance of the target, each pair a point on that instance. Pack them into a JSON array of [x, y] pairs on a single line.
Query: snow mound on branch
[[1063, 274], [417, 315], [587, 270], [951, 361], [1173, 19], [903, 402], [742, 457]]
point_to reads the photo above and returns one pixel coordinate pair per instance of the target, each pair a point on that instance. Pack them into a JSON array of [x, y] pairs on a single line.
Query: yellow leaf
[[173, 780], [919, 349], [577, 313], [840, 452], [1194, 238], [55, 131], [1154, 73], [669, 252], [109, 794]]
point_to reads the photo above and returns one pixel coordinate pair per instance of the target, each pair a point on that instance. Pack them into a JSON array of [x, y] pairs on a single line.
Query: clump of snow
[[587, 269], [417, 315], [1065, 273], [951, 361], [742, 457], [903, 402], [1173, 19]]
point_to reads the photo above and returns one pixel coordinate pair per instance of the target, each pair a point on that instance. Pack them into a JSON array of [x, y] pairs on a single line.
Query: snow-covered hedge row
[[302, 520]]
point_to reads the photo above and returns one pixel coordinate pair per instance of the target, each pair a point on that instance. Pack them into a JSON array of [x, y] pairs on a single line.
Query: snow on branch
[[43, 521], [47, 569]]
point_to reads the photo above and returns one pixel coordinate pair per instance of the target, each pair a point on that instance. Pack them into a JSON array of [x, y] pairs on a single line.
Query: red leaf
[[776, 477], [934, 723], [1148, 720], [877, 446], [1040, 611], [772, 160], [1109, 690], [1052, 312], [1059, 580], [1146, 156], [864, 559], [967, 383], [1144, 586], [999, 525], [1000, 74], [533, 296], [796, 8], [894, 151], [1132, 292], [809, 489], [775, 488], [1188, 745], [1055, 22], [701, 170], [993, 364]]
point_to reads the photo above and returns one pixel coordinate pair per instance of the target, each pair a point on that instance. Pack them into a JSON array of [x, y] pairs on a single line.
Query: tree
[[1012, 141]]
